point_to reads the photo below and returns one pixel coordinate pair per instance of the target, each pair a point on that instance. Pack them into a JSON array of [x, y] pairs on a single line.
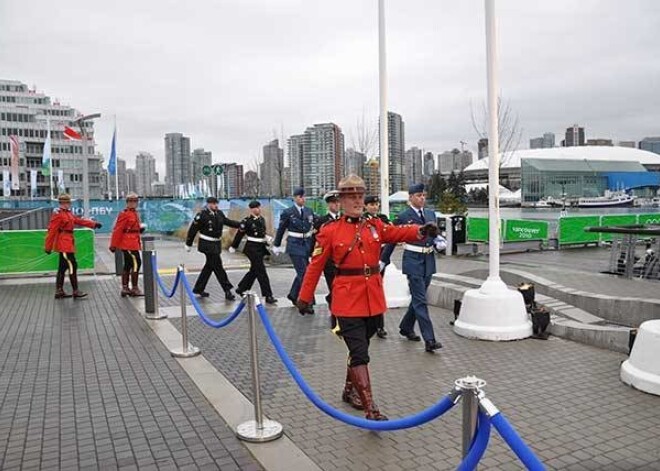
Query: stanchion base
[[155, 316], [249, 432], [181, 353]]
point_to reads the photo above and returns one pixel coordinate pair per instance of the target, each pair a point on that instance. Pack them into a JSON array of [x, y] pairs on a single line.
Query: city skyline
[[233, 111]]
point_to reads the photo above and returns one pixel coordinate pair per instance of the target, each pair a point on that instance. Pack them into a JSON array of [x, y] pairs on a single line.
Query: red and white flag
[[71, 134], [14, 146]]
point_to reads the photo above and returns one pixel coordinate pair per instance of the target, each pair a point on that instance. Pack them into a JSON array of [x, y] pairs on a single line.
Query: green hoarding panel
[[518, 230], [23, 251], [616, 220], [653, 219], [571, 230], [477, 229]]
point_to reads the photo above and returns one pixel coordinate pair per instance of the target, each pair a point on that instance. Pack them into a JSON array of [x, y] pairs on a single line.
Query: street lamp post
[[85, 173]]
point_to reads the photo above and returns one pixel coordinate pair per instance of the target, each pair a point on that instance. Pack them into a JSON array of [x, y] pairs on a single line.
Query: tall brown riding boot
[[59, 287], [74, 283], [125, 290], [350, 394], [135, 291], [360, 377]]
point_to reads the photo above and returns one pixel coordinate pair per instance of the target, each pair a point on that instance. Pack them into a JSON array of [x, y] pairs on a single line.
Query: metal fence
[[25, 219]]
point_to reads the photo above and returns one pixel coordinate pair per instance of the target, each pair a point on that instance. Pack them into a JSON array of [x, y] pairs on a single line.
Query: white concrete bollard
[[396, 289], [642, 369]]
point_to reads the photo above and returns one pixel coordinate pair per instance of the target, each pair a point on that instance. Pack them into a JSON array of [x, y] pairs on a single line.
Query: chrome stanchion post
[[187, 350], [150, 283], [259, 429], [470, 387]]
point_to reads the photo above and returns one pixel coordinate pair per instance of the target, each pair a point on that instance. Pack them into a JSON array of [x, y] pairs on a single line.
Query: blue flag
[[112, 163]]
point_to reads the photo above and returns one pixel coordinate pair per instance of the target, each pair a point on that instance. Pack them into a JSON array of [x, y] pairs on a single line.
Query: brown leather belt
[[66, 230], [131, 231], [364, 271]]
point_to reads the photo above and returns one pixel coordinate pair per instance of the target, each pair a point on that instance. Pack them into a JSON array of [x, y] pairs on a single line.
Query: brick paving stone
[[85, 384], [565, 399]]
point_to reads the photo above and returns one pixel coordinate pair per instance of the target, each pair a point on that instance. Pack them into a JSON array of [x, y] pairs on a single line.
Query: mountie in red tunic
[[126, 233], [354, 244], [60, 230]]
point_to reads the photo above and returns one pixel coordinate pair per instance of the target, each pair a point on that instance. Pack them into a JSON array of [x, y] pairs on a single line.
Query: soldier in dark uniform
[[371, 206], [298, 220], [332, 200], [209, 222], [256, 248]]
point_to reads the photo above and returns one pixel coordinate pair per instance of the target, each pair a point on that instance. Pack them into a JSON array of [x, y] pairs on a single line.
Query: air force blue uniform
[[418, 267], [300, 225]]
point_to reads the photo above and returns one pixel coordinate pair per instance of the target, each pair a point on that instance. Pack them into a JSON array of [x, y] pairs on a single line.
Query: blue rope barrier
[[479, 444], [420, 418], [161, 283], [514, 441], [202, 315]]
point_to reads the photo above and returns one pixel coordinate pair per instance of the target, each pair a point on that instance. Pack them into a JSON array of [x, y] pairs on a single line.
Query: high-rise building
[[131, 180], [396, 150], [271, 170], [178, 165], [652, 144], [482, 148], [122, 182], [317, 158], [145, 173], [25, 113], [371, 172], [631, 144], [199, 159], [536, 143], [296, 152], [252, 184], [548, 140], [231, 181], [574, 136], [413, 166], [429, 164], [453, 161], [286, 177], [354, 162], [599, 142]]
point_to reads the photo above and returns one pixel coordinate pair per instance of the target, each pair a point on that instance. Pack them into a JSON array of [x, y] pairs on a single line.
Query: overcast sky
[[232, 74]]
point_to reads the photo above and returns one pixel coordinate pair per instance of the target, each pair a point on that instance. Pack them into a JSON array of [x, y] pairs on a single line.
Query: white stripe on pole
[[384, 163], [493, 141]]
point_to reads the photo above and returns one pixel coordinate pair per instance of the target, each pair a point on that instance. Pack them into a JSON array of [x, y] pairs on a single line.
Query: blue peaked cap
[[415, 188], [299, 192]]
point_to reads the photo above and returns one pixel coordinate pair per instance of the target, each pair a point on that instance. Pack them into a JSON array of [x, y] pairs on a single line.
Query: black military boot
[[59, 287], [74, 284]]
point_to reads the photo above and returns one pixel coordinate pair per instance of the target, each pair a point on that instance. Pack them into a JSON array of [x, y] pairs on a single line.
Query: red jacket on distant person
[[126, 233], [354, 295], [60, 230]]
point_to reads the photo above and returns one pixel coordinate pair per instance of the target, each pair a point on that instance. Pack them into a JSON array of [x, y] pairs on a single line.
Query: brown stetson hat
[[351, 184]]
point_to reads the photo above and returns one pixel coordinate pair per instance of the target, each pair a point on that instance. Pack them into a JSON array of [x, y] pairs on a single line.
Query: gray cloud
[[230, 73]]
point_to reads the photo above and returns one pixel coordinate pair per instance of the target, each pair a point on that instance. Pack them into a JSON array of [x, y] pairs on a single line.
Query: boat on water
[[608, 200]]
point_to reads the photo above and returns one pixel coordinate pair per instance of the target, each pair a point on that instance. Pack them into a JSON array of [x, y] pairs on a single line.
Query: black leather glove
[[98, 225], [303, 307], [112, 249], [48, 252], [430, 229]]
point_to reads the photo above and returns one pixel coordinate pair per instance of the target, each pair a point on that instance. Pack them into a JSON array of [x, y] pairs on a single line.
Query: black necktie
[[421, 215]]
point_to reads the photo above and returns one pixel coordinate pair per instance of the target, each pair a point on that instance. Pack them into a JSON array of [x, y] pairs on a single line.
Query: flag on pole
[[6, 184], [60, 181], [13, 142], [33, 183], [112, 163], [46, 162], [71, 135]]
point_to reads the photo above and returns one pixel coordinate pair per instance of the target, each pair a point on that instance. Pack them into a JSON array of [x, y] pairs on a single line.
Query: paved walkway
[[87, 385]]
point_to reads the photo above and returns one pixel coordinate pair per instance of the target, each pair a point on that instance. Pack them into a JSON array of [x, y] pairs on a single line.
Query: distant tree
[[364, 137], [508, 124], [451, 204], [456, 185], [437, 186]]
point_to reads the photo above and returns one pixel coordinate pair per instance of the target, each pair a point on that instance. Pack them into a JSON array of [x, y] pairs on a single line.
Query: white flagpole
[[384, 151], [50, 177], [116, 163]]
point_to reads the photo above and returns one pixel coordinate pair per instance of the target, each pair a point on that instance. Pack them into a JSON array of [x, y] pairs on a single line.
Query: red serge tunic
[[126, 233], [354, 295], [60, 230]]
